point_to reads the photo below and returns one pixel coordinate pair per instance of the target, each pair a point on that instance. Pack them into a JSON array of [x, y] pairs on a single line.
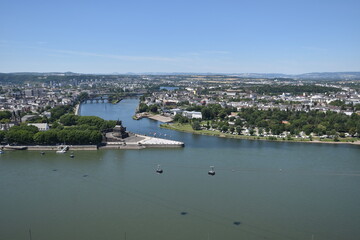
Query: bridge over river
[[103, 97]]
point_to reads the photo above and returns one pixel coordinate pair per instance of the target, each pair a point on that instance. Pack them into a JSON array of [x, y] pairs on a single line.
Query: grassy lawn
[[187, 128]]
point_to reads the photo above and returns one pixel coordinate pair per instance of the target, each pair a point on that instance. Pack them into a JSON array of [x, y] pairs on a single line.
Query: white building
[[192, 114], [176, 111], [40, 126]]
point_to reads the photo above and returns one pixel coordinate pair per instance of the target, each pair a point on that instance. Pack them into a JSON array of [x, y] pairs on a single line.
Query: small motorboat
[[62, 149], [159, 170], [212, 171]]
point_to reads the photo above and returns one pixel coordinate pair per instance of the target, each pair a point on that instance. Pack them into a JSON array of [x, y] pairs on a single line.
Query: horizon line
[[151, 73]]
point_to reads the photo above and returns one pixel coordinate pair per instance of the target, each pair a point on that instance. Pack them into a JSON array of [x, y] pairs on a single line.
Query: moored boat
[[15, 147], [62, 149]]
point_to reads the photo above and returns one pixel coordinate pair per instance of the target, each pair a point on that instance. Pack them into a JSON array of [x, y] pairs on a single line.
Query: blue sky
[[180, 36]]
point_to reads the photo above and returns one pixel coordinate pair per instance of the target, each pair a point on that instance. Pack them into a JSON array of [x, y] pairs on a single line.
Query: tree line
[[317, 122], [5, 116], [275, 121], [70, 129], [294, 89], [145, 108]]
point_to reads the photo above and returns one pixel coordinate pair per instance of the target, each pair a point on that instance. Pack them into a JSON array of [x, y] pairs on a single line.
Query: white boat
[[63, 149], [15, 147]]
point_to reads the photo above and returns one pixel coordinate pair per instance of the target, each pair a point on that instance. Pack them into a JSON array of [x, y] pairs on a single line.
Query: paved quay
[[77, 109], [137, 141], [161, 118], [156, 117], [154, 142], [133, 141]]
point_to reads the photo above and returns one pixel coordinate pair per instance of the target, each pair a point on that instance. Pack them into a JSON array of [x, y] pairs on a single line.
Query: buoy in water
[[159, 170], [212, 171]]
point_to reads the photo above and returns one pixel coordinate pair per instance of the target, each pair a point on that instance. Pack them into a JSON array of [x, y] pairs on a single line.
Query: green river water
[[261, 190]]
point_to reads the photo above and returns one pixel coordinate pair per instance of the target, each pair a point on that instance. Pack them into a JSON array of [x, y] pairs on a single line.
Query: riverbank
[[77, 109], [137, 141], [161, 118], [146, 142], [134, 141], [187, 128], [53, 147]]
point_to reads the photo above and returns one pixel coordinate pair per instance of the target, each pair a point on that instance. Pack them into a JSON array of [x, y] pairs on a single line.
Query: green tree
[[69, 119], [181, 119], [153, 108], [260, 131], [196, 125], [25, 127], [62, 136], [143, 107], [48, 137], [83, 96], [107, 125], [239, 122], [224, 128], [91, 121], [58, 111], [222, 114], [251, 131], [95, 137], [207, 113], [238, 130], [308, 128], [232, 129], [5, 115], [2, 135], [19, 136], [352, 131]]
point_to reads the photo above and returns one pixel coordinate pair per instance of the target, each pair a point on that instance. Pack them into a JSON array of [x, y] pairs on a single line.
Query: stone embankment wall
[[122, 146], [55, 148], [163, 145]]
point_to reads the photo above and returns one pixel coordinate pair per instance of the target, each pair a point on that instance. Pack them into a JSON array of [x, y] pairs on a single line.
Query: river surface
[[261, 190]]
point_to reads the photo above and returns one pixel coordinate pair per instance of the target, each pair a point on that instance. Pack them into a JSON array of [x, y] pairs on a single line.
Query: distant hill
[[343, 76], [330, 75], [43, 73], [304, 76]]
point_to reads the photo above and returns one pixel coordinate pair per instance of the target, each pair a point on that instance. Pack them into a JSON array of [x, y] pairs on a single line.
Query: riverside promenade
[[47, 147], [77, 109], [137, 141], [156, 117]]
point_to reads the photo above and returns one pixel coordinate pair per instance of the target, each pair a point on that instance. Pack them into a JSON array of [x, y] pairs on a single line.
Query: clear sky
[[263, 36]]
